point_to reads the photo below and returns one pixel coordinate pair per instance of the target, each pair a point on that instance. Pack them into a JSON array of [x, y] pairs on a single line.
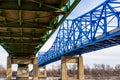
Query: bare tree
[[73, 70], [117, 71], [87, 71], [2, 71], [98, 72]]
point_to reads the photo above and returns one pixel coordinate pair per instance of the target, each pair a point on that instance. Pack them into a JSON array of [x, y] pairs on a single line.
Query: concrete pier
[[9, 68], [42, 73], [35, 69], [39, 73], [23, 69], [72, 59], [22, 72]]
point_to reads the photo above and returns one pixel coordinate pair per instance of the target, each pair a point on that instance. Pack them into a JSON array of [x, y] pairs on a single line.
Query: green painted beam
[[23, 54], [20, 17], [17, 43], [63, 2], [31, 6], [20, 46], [29, 35], [26, 25], [12, 43], [23, 51], [75, 3], [6, 47], [19, 3], [22, 38], [53, 8], [11, 40]]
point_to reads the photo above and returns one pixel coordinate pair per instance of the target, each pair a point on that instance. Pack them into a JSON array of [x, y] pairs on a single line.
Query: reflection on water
[[49, 78], [53, 78], [2, 78]]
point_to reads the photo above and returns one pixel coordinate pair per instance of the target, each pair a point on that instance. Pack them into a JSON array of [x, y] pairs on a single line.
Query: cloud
[[83, 7], [105, 56], [3, 56]]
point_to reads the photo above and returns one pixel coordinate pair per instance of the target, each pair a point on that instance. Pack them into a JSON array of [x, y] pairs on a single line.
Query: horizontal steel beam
[[24, 41], [25, 25], [19, 35], [22, 38], [27, 5]]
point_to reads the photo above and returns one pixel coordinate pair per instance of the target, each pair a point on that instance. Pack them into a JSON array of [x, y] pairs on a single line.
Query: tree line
[[97, 72]]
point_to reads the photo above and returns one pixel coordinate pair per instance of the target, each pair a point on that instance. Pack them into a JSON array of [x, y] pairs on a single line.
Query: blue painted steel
[[97, 29]]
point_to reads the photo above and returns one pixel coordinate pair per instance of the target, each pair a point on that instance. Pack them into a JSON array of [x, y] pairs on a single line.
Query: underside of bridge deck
[[25, 25]]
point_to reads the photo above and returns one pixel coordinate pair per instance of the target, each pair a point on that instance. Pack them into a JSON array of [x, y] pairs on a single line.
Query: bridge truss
[[95, 30]]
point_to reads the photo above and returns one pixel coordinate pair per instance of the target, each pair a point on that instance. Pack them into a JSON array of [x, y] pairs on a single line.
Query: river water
[[49, 78], [57, 78]]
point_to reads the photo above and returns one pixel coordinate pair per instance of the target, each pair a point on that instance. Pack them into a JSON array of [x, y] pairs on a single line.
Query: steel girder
[[25, 25], [97, 29]]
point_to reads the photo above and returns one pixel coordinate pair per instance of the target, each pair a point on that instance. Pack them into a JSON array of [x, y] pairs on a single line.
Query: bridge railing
[[84, 30]]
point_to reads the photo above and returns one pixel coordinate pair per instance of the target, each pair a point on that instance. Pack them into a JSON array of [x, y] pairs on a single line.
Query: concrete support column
[[9, 68], [23, 72], [42, 73], [64, 69], [45, 72], [81, 68], [35, 69], [72, 59]]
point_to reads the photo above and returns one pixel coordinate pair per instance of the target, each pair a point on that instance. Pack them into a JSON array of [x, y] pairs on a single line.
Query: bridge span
[[25, 25], [97, 29], [94, 30]]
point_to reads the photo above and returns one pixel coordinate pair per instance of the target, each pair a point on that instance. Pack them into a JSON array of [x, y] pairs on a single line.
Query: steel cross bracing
[[97, 29], [25, 25]]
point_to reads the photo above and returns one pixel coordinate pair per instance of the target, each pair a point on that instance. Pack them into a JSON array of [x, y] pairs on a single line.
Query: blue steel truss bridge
[[94, 30], [25, 25]]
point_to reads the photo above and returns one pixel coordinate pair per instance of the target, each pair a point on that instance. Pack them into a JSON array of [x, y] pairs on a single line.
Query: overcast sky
[[105, 56]]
